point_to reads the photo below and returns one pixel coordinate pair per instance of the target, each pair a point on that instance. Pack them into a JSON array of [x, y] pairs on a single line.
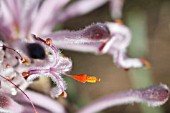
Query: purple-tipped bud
[[154, 96]]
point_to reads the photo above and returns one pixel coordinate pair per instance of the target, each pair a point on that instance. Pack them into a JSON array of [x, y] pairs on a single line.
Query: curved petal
[[100, 38], [85, 40], [152, 96], [42, 103], [56, 78], [64, 65]]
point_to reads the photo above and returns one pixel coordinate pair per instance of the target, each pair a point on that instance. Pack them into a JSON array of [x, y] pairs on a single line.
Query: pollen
[[84, 78], [64, 94], [24, 60], [48, 41], [25, 74], [7, 65], [8, 77]]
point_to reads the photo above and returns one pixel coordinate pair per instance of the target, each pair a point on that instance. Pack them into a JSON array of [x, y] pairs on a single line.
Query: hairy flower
[[152, 96], [19, 19], [25, 57]]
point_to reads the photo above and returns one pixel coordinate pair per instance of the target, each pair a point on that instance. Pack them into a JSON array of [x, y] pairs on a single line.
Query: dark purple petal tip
[[96, 31], [156, 95]]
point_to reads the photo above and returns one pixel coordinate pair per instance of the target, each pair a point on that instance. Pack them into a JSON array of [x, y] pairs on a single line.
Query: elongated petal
[[153, 96], [85, 40], [100, 38], [42, 103], [5, 32], [48, 9], [6, 14], [29, 12], [14, 7], [79, 8], [116, 8]]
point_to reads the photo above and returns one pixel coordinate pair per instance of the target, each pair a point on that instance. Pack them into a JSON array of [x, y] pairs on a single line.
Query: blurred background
[[149, 21]]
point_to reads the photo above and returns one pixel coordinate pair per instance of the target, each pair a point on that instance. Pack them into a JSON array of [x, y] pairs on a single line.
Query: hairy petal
[[86, 40], [56, 78], [100, 38], [63, 65], [152, 96]]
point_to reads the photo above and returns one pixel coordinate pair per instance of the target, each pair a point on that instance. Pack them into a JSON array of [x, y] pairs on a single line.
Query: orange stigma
[[48, 42], [84, 78]]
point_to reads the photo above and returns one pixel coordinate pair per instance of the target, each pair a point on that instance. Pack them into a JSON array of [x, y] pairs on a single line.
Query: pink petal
[[85, 40], [116, 8], [48, 9], [100, 38], [29, 12], [14, 7], [152, 96], [42, 103], [78, 8]]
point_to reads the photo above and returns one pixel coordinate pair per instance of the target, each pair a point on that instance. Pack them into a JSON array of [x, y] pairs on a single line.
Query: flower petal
[[14, 7], [78, 8], [85, 40], [100, 38], [29, 12], [152, 96], [40, 101], [116, 8], [48, 9]]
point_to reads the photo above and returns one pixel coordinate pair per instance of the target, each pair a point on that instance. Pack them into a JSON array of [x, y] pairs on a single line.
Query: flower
[[25, 56], [152, 96], [39, 56]]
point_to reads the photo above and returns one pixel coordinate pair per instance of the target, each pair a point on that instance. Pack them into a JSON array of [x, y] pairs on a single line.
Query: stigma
[[84, 78]]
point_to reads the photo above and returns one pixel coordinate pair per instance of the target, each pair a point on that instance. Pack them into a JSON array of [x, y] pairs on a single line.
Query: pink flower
[[25, 57]]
